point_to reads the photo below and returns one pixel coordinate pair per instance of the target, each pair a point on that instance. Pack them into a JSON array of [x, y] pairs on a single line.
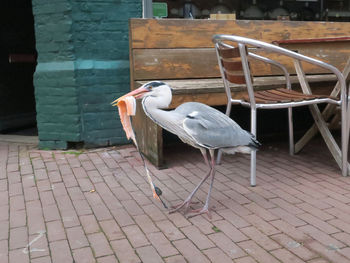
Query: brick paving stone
[[35, 218], [13, 177], [43, 185], [261, 239], [234, 219], [55, 231], [15, 189], [321, 236], [286, 256], [169, 230], [175, 259], [343, 237], [318, 260], [288, 217], [340, 224], [17, 255], [323, 226], [132, 207], [226, 245], [76, 237], [203, 224], [4, 216], [295, 247], [89, 224], [111, 230], [149, 255], [99, 244], [216, 255], [190, 251], [146, 224], [321, 214], [17, 203], [39, 245], [69, 218], [198, 238], [107, 259], [135, 236], [41, 260], [125, 253], [60, 251], [162, 244], [4, 230], [262, 225], [18, 218], [232, 232], [261, 212], [122, 217], [99, 208], [245, 260], [82, 207], [51, 213], [328, 253], [178, 220], [154, 212], [47, 198], [251, 248], [4, 251], [83, 255]]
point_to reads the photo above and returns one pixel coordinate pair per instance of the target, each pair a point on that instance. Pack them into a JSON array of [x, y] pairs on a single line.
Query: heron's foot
[[203, 210], [185, 204]]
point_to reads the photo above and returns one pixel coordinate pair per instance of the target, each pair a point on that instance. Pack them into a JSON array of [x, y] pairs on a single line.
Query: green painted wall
[[83, 64]]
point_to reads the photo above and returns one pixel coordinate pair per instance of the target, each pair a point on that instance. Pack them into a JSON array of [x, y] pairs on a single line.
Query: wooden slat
[[197, 33], [152, 64], [202, 63], [233, 78], [232, 65], [229, 52]]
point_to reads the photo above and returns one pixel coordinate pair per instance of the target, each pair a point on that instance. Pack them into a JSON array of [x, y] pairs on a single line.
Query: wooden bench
[[181, 53]]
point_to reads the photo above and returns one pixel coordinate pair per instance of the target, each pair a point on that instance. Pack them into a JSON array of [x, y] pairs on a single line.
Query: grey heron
[[198, 125]]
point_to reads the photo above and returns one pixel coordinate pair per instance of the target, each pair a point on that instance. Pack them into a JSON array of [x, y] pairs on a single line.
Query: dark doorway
[[17, 66]]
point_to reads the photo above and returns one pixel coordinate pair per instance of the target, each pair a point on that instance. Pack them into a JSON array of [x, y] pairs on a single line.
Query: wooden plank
[[154, 64], [175, 63], [197, 33]]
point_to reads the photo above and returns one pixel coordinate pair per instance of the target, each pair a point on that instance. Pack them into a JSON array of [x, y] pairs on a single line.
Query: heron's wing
[[211, 128]]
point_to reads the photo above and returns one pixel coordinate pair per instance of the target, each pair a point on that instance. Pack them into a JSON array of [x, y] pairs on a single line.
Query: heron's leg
[[205, 208], [187, 201]]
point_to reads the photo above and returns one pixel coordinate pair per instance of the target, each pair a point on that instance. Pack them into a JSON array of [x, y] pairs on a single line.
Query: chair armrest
[[275, 63]]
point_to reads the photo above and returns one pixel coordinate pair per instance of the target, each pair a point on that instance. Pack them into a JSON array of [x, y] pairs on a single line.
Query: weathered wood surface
[[185, 63], [197, 33]]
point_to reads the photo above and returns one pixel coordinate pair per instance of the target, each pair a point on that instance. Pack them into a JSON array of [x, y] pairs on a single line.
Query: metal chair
[[235, 52]]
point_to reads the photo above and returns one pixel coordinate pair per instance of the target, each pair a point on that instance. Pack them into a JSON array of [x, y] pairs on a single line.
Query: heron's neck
[[154, 108]]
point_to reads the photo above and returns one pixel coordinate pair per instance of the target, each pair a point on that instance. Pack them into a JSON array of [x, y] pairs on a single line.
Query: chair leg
[[344, 140], [291, 132], [253, 153]]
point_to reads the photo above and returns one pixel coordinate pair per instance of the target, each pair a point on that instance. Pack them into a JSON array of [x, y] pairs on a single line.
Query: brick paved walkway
[[95, 206]]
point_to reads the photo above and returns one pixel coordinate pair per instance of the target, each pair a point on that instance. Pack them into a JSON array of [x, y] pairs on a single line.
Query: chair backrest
[[228, 46], [234, 67]]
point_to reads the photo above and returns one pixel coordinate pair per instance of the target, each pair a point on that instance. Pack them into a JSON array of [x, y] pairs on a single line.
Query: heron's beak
[[137, 93]]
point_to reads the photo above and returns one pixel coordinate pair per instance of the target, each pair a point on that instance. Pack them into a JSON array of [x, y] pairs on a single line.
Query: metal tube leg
[[344, 140], [253, 153], [291, 132]]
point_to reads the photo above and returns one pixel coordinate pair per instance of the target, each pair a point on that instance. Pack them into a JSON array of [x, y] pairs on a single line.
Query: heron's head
[[155, 89]]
